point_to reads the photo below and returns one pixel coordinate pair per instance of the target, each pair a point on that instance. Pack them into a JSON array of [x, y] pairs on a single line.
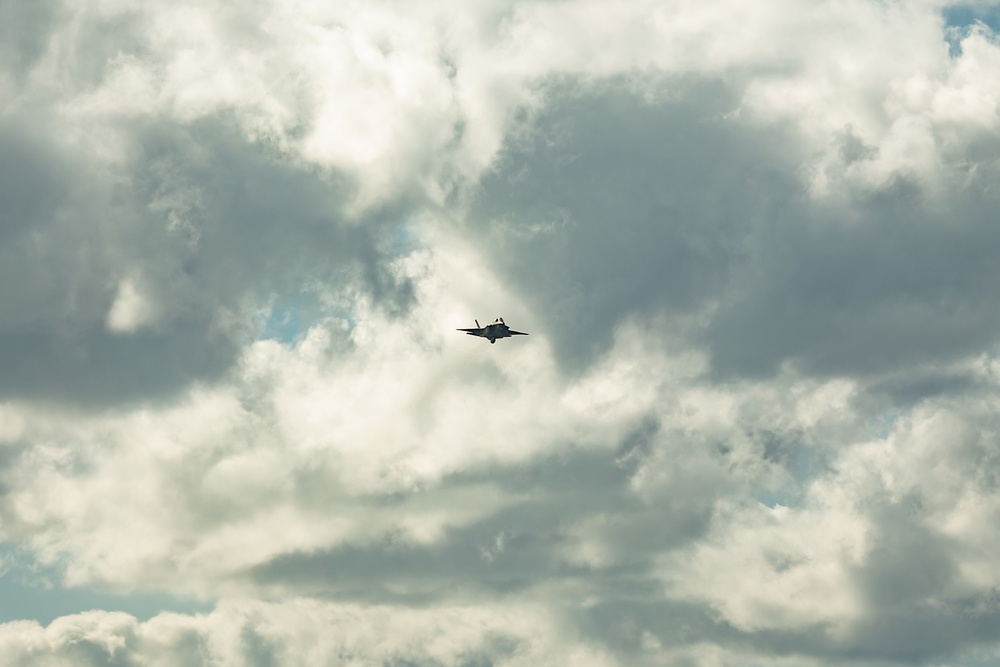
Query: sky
[[755, 244]]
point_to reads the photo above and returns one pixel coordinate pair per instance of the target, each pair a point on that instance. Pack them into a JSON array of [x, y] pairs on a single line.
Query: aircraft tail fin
[[477, 324]]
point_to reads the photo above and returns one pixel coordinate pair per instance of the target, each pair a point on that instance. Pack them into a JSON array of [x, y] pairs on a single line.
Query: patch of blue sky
[[403, 241], [959, 19], [289, 316], [801, 465], [884, 424], [783, 496], [32, 593], [283, 322]]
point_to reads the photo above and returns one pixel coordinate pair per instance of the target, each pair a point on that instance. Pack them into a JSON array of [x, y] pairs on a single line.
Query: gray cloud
[[755, 419], [208, 227], [531, 542], [890, 282], [24, 32], [615, 206]]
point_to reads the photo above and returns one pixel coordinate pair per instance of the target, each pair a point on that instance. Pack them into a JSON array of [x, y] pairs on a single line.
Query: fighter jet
[[493, 331]]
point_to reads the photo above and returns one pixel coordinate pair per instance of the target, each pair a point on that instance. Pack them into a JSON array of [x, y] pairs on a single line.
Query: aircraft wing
[[472, 332], [516, 333]]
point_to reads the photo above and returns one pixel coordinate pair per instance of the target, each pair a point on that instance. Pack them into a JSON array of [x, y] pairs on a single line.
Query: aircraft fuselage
[[491, 332], [494, 331]]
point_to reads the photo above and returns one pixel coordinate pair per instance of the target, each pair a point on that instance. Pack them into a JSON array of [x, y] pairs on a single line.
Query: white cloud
[[753, 243], [898, 525], [303, 632], [777, 568], [130, 310], [294, 446]]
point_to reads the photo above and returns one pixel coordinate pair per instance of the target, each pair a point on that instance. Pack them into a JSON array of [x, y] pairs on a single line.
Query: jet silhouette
[[498, 329]]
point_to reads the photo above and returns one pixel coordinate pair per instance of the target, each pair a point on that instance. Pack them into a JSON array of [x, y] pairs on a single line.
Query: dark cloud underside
[[615, 206], [207, 224]]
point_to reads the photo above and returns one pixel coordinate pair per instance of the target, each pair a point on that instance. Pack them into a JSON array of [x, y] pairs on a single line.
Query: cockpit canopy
[[498, 320]]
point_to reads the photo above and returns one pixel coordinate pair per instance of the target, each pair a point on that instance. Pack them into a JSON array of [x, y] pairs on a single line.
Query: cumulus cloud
[[753, 244], [301, 632]]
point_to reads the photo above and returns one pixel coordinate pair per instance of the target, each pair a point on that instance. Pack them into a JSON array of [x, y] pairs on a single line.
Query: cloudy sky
[[756, 244]]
